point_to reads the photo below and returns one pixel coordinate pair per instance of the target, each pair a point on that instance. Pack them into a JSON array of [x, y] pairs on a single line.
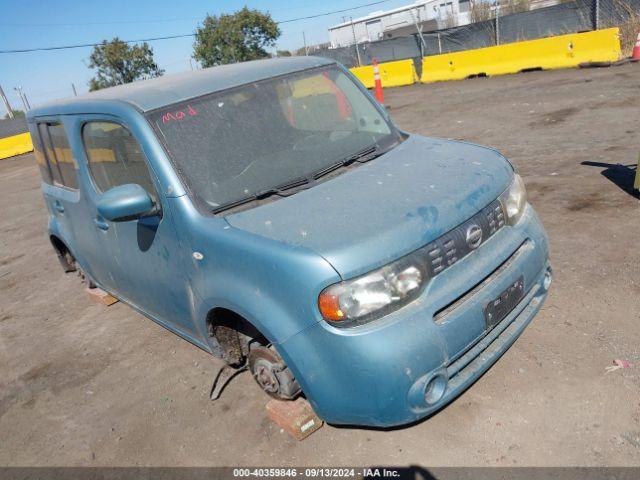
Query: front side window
[[115, 157], [239, 143]]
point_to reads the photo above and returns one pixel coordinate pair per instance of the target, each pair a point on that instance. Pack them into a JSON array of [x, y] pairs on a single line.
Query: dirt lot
[[83, 384]]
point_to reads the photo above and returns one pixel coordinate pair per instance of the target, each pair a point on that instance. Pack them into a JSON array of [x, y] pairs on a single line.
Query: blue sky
[[48, 75]]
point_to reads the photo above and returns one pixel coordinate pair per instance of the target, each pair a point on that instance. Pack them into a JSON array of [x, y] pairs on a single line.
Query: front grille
[[453, 245], [441, 315]]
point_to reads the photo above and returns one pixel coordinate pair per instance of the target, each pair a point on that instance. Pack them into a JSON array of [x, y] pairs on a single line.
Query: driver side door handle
[[101, 224], [58, 207]]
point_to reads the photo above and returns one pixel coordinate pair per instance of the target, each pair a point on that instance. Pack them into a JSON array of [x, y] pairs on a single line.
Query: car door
[[61, 187], [145, 255]]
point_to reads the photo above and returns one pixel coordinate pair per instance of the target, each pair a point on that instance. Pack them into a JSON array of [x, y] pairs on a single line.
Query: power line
[[170, 37], [114, 22], [125, 22], [331, 13], [66, 47]]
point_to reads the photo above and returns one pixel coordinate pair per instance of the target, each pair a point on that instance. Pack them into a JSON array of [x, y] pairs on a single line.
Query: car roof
[[146, 95]]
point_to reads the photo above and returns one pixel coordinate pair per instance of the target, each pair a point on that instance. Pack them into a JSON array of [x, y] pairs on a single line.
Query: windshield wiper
[[283, 190], [362, 156], [295, 186]]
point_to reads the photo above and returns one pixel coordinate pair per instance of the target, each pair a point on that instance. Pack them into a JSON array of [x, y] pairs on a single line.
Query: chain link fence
[[569, 17]]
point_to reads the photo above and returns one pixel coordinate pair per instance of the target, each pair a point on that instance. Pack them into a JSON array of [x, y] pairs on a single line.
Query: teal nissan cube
[[272, 214]]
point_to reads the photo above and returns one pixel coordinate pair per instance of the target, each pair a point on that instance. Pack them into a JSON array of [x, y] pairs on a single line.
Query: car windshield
[[240, 143]]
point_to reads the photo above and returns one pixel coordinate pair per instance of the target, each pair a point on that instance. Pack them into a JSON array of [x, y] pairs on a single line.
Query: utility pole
[[25, 104], [6, 103], [26, 100], [418, 25], [73, 87], [355, 41], [304, 41]]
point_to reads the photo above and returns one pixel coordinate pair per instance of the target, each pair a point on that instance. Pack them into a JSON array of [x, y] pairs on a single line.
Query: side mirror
[[125, 202]]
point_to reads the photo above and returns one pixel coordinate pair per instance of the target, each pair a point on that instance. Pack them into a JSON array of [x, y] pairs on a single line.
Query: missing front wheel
[[272, 374]]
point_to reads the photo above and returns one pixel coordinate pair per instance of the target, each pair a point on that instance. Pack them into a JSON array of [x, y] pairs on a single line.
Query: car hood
[[385, 208]]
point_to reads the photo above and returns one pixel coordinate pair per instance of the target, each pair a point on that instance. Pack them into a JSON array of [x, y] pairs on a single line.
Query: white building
[[381, 24]]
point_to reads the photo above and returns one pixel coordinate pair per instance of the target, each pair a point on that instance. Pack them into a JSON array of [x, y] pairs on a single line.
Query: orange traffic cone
[[378, 81], [636, 50]]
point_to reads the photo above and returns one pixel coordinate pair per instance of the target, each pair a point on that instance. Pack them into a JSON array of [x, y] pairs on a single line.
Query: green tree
[[283, 53], [117, 62], [238, 37], [16, 114]]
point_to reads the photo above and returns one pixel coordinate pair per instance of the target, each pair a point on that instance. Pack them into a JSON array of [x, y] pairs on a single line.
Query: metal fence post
[[596, 15], [421, 46], [439, 44], [355, 41], [418, 29], [498, 25]]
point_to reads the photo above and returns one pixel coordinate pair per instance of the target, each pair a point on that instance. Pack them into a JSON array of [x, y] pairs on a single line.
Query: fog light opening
[[548, 277], [435, 389]]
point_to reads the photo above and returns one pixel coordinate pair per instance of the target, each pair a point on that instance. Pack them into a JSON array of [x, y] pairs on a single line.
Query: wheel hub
[[271, 373]]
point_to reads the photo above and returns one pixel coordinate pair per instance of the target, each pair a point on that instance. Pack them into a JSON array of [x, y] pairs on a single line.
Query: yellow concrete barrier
[[392, 74], [15, 145], [547, 53]]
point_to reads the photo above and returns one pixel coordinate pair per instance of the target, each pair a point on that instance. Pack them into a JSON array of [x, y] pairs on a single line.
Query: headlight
[[514, 200], [375, 294]]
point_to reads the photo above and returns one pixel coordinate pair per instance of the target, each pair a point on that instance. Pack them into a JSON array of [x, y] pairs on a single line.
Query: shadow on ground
[[621, 175]]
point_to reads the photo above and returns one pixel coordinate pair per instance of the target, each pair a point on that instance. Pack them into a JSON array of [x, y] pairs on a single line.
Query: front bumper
[[376, 374]]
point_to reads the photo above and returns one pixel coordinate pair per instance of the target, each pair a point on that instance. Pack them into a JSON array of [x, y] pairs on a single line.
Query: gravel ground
[[84, 384]]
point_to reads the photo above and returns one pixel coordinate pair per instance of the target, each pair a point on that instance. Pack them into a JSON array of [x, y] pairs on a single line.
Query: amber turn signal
[[330, 307]]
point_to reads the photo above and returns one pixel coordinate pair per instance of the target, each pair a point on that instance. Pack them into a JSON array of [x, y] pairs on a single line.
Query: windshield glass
[[242, 142]]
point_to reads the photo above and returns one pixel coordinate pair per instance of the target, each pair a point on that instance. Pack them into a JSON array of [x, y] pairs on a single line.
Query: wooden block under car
[[295, 417], [100, 296]]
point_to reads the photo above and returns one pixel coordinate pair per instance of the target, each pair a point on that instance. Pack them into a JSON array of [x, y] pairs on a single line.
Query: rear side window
[[62, 151], [57, 152], [115, 157], [43, 165]]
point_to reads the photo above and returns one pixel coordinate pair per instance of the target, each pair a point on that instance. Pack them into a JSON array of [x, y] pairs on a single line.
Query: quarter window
[[115, 157], [58, 154], [41, 160]]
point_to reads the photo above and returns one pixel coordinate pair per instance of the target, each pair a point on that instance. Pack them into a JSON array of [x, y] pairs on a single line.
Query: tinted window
[[49, 155], [62, 151], [40, 158], [55, 146], [115, 158]]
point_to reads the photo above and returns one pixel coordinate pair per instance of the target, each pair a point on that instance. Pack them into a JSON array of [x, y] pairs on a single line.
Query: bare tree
[[626, 15], [508, 7], [481, 11], [450, 20]]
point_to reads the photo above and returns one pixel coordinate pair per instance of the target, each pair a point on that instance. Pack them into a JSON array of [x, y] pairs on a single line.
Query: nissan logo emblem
[[474, 236]]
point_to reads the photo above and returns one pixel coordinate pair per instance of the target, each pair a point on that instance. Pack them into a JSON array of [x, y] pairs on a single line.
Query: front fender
[[273, 285]]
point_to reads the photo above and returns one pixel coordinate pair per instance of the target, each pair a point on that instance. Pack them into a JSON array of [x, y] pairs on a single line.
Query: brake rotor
[[264, 365]]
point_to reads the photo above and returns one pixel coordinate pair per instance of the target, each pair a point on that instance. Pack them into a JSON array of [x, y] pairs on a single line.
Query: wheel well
[[58, 245], [230, 335], [66, 258]]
